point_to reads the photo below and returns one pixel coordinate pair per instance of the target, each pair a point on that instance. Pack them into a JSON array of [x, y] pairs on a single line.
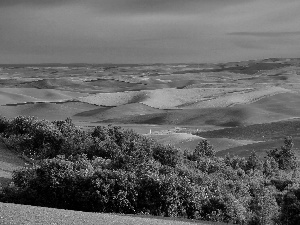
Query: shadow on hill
[[257, 132], [259, 148]]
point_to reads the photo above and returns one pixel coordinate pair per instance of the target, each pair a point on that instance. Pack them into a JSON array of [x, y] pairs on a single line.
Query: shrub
[[166, 155], [236, 162], [21, 125], [4, 125]]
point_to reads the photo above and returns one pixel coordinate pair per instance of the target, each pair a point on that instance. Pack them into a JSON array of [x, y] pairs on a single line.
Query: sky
[[147, 31]]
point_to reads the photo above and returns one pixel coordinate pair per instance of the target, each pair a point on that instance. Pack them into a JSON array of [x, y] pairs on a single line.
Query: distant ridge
[[269, 60], [79, 64]]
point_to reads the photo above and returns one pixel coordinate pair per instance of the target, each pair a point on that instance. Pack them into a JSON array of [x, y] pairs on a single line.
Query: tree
[[253, 162], [203, 149], [264, 207], [270, 167], [285, 157]]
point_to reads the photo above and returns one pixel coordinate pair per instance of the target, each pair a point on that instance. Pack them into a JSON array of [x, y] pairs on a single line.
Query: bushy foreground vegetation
[[107, 169]]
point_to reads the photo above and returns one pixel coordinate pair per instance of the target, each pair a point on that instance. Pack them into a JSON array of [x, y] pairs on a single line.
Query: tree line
[[108, 169]]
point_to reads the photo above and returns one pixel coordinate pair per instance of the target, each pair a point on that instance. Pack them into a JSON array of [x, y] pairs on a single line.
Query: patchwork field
[[236, 106]]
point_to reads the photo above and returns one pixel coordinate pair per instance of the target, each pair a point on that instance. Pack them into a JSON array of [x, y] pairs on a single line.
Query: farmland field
[[230, 104]]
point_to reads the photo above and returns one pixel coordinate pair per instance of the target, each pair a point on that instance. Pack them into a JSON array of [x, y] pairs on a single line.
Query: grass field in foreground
[[23, 214]]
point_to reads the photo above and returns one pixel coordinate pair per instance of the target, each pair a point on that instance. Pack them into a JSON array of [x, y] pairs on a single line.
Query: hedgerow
[[108, 169]]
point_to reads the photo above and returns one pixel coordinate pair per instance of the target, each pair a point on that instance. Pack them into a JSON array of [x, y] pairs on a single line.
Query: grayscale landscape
[[150, 112]]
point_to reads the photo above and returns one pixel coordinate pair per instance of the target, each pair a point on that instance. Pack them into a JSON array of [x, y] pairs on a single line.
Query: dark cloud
[[131, 6], [251, 44], [146, 6], [266, 34], [5, 3], [161, 6]]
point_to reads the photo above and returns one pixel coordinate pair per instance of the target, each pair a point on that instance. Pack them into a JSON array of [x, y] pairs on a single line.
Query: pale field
[[191, 98]]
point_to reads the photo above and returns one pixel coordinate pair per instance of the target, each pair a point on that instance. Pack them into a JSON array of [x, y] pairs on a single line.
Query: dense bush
[[4, 124], [107, 169], [290, 210]]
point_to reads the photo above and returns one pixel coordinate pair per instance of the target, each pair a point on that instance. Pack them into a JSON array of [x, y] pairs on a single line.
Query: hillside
[[14, 214], [8, 163]]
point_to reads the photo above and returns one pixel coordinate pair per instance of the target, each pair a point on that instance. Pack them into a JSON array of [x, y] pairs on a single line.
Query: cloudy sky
[[147, 31]]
